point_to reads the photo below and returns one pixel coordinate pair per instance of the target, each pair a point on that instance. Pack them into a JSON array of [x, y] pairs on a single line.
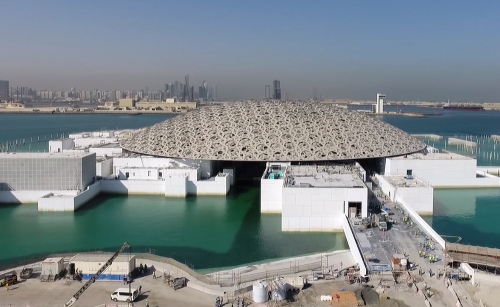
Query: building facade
[[46, 172], [4, 90], [276, 89]]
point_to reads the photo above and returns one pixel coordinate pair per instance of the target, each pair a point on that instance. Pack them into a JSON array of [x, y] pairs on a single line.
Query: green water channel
[[203, 232]]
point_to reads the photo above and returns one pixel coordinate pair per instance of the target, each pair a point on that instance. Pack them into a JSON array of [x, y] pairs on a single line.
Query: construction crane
[[96, 275]]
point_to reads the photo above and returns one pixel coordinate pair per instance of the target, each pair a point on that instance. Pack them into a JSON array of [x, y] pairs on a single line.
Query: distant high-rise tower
[[379, 106], [268, 92], [186, 89], [4, 90], [276, 89]]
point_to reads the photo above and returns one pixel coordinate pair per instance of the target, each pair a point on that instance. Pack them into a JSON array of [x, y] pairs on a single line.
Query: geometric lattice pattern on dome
[[273, 131]]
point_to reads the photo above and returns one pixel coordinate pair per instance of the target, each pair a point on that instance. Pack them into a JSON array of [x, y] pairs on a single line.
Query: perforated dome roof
[[273, 131]]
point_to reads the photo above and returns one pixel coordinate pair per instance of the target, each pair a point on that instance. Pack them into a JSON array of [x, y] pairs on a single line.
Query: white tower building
[[379, 106]]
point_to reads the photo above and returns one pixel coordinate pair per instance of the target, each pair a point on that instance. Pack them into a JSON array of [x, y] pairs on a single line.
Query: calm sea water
[[203, 232], [470, 214], [214, 232]]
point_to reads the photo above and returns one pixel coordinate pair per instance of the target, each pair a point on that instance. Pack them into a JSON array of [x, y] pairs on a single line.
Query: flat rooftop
[[43, 155], [104, 257], [404, 182], [433, 156], [329, 176]]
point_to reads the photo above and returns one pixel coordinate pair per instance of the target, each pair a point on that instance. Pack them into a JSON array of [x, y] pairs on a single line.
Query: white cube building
[[25, 177]]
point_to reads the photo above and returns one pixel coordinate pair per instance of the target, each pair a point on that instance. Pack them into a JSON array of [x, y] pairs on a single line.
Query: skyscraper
[[268, 92], [4, 90], [201, 92], [276, 89]]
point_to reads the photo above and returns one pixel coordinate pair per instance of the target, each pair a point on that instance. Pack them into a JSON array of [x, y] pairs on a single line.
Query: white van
[[123, 295]]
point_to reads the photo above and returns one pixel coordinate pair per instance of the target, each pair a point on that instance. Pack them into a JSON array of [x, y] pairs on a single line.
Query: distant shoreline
[[131, 112]]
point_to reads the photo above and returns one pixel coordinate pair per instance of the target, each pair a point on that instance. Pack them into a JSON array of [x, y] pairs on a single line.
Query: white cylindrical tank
[[259, 292]]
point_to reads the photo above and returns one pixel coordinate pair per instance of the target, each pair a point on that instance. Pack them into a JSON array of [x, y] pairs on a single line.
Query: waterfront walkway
[[234, 282]]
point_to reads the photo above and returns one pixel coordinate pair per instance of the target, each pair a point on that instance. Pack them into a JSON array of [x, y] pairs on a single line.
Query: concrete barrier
[[206, 289], [353, 245], [427, 229]]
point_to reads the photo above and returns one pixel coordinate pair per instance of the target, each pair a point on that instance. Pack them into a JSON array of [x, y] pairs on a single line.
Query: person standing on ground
[[7, 286], [154, 273], [140, 289], [147, 303]]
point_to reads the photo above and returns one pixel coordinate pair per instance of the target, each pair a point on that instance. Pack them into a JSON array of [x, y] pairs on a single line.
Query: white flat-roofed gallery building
[[314, 197], [441, 170], [25, 177]]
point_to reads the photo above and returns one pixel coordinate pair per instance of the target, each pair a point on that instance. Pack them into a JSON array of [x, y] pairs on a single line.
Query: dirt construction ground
[[34, 293], [401, 296]]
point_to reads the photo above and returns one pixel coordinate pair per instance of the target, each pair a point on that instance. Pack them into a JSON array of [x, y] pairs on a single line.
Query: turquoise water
[[471, 214], [43, 127], [203, 232], [213, 232]]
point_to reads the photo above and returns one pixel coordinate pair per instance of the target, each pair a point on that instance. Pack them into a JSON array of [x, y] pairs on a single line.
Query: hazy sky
[[427, 50]]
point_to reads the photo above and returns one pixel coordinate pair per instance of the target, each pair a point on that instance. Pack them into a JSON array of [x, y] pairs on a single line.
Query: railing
[[239, 278]]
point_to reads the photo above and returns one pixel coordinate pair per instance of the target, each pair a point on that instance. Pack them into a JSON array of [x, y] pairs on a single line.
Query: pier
[[429, 136], [418, 115], [455, 141]]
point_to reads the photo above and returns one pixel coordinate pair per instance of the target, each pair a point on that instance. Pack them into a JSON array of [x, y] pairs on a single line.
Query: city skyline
[[411, 51]]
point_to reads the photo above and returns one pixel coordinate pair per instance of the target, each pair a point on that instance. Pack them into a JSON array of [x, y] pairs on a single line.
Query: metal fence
[[238, 278]]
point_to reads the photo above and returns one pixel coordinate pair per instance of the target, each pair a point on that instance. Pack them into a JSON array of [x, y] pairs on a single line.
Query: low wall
[[176, 186], [133, 186], [68, 202], [353, 246], [486, 175], [22, 197], [92, 191], [330, 223], [486, 182], [494, 170], [200, 286], [427, 229], [217, 186]]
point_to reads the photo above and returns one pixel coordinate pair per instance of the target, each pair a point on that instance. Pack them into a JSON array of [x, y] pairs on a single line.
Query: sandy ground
[[486, 292], [34, 293], [394, 296]]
